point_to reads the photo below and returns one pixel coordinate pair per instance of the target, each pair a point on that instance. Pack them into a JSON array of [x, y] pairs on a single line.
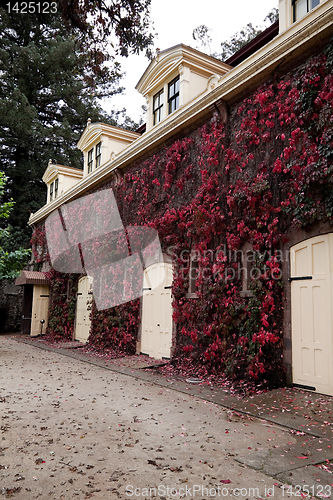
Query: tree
[[201, 34], [53, 70], [10, 262], [237, 41], [244, 36]]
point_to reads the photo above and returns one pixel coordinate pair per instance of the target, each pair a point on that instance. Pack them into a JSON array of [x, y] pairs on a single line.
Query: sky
[[174, 22]]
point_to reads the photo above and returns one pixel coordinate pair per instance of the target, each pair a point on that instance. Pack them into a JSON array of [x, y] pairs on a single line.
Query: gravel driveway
[[74, 430]]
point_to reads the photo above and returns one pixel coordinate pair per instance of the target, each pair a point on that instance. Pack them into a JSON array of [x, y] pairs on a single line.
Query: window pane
[[157, 106], [314, 3], [98, 154], [158, 100], [173, 95], [301, 9], [90, 160]]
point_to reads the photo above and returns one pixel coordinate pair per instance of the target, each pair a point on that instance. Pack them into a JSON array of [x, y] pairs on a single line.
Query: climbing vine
[[251, 180]]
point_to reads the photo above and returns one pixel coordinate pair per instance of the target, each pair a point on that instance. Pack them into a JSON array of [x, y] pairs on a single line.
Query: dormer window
[[98, 154], [302, 7], [158, 106], [173, 94], [54, 189], [90, 160], [94, 155]]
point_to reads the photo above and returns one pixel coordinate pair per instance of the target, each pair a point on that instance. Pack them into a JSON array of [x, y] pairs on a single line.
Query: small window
[[158, 106], [302, 7], [56, 183], [90, 160], [51, 191], [98, 154], [173, 95]]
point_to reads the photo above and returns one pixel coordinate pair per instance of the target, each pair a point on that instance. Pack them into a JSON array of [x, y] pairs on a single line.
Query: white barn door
[[311, 308], [156, 328], [82, 325], [40, 309]]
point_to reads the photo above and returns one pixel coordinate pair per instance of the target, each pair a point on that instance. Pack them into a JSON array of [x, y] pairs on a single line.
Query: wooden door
[[156, 336], [28, 291], [83, 307], [311, 305], [40, 308]]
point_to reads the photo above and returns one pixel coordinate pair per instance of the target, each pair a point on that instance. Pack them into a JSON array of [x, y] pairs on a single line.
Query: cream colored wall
[[191, 84], [111, 147], [286, 14], [65, 182], [198, 85]]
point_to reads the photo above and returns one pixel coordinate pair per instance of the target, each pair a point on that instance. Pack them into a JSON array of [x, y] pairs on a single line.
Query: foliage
[[11, 262], [201, 34], [115, 329], [120, 25], [244, 36], [54, 69], [253, 180], [63, 305]]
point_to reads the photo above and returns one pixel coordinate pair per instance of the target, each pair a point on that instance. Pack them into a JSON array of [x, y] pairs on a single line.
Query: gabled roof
[[93, 132], [32, 278], [167, 61], [54, 169]]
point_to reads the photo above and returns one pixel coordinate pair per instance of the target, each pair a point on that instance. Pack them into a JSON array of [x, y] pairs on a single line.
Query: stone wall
[[10, 306]]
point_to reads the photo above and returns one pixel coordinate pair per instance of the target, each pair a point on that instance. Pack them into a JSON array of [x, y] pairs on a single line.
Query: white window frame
[[307, 5], [158, 110], [51, 190], [98, 155], [90, 161]]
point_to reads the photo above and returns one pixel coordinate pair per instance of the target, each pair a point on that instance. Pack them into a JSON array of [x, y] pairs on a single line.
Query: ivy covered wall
[[245, 182]]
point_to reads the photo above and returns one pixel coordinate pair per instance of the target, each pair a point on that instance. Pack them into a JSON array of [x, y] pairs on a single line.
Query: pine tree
[[51, 79]]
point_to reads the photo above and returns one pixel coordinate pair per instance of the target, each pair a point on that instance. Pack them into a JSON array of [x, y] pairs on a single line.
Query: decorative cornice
[[93, 132], [171, 59], [250, 73], [54, 169]]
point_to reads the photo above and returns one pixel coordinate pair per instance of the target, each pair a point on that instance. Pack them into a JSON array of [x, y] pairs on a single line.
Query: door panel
[[156, 336], [40, 307], [83, 304], [311, 305]]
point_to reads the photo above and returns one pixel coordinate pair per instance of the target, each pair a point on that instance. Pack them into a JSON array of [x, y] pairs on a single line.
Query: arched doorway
[[311, 312], [83, 305], [156, 330]]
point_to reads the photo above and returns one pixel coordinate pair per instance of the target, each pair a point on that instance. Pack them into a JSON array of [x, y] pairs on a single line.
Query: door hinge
[[300, 278], [44, 295], [143, 289], [166, 287]]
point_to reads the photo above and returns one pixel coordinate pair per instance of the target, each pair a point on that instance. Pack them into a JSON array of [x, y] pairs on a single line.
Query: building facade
[[234, 175]]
